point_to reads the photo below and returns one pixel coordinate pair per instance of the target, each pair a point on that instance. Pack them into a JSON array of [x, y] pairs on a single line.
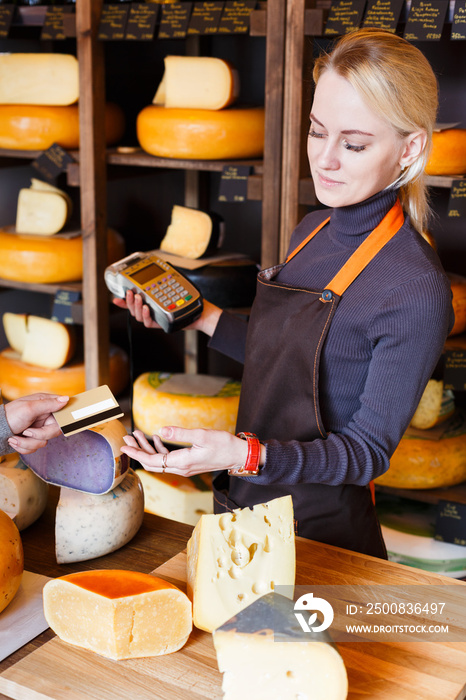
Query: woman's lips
[[327, 182]]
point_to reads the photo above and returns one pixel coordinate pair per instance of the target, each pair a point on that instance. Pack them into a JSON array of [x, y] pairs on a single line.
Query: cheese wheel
[[48, 260], [176, 497], [227, 283], [23, 495], [118, 614], [11, 560], [20, 379], [89, 526], [426, 462], [236, 132], [192, 233], [458, 288], [436, 405], [38, 79], [184, 401], [197, 82], [41, 342], [448, 155], [36, 128]]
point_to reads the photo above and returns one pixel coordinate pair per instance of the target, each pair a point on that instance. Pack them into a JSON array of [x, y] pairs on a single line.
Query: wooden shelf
[[451, 493], [43, 288]]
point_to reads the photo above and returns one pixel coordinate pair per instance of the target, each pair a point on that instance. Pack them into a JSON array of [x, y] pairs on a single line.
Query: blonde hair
[[397, 82]]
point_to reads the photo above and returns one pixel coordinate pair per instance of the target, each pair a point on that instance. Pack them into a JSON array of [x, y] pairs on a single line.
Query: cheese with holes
[[22, 494], [41, 212], [11, 560], [38, 79], [197, 82], [41, 342], [118, 614], [263, 653], [176, 497], [184, 400], [192, 233], [89, 526], [436, 405], [235, 132], [235, 558]]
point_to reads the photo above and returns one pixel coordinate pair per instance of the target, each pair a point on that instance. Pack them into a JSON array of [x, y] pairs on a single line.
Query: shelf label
[[6, 17], [53, 161], [234, 183], [454, 375], [62, 306], [235, 16], [53, 27], [344, 17], [425, 20], [175, 20], [141, 22], [205, 17], [458, 25], [457, 200], [383, 14], [450, 523], [113, 22]]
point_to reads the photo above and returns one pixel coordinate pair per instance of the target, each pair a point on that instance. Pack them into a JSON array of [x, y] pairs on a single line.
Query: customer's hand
[[30, 419]]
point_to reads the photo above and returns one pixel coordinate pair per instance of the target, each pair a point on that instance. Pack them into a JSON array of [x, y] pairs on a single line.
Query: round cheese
[[48, 259], [458, 288], [448, 155], [17, 378], [118, 614], [89, 526], [236, 132], [22, 494], [38, 79], [184, 400], [37, 127], [11, 560]]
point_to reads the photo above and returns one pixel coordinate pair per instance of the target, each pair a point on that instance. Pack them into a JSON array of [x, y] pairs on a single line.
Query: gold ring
[[164, 462]]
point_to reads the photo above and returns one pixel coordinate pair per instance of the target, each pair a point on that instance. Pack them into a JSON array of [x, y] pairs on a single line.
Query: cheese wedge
[[22, 494], [192, 233], [197, 82], [41, 342], [11, 560], [176, 497], [42, 213], [118, 614], [262, 655], [436, 405], [235, 558], [15, 327], [38, 79]]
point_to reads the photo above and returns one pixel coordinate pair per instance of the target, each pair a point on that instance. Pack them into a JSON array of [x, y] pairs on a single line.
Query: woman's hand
[[210, 450], [30, 419]]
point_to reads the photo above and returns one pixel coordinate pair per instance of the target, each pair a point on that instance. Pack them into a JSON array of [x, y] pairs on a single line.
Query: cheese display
[[17, 378], [133, 614], [235, 558], [22, 494], [448, 155], [176, 497], [48, 259], [197, 82], [226, 283], [89, 526], [429, 459], [235, 132], [258, 661], [458, 288], [184, 400], [436, 405], [88, 461], [192, 233], [40, 341], [41, 212], [38, 79], [37, 127], [11, 560]]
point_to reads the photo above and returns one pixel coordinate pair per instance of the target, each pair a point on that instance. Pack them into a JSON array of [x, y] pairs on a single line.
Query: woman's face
[[353, 153]]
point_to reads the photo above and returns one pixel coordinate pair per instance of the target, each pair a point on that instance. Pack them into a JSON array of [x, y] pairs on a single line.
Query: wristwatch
[[251, 466]]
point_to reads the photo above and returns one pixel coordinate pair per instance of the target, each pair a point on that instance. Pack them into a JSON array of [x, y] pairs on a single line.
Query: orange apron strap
[[306, 240], [372, 489]]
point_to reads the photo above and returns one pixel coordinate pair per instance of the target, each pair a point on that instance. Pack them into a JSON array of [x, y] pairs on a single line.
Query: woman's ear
[[415, 143]]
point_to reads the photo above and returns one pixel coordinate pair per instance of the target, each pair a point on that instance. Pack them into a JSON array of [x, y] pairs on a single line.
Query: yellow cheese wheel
[[37, 127], [236, 132], [11, 560], [20, 379], [48, 259], [448, 155], [458, 288]]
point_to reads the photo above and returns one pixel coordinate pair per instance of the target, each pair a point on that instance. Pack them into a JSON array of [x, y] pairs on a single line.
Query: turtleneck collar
[[352, 223]]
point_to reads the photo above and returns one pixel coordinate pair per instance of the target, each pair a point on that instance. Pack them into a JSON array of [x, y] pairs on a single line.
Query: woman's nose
[[326, 156]]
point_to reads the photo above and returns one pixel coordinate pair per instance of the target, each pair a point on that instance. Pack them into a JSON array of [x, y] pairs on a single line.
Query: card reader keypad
[[168, 292]]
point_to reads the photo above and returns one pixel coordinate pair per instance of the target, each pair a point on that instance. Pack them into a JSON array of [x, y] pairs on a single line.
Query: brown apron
[[280, 398]]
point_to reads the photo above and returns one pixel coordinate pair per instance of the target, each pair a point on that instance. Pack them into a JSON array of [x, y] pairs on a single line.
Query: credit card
[[85, 410]]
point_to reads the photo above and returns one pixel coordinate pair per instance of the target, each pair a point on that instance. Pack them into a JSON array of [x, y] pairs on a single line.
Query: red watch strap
[[251, 465]]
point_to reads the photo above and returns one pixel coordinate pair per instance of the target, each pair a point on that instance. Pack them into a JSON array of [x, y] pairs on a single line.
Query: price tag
[[454, 374], [205, 17], [175, 20], [235, 16], [141, 22], [344, 17], [53, 161], [457, 200], [6, 17], [53, 27], [234, 183], [62, 306], [113, 22], [450, 523], [384, 14], [425, 20], [458, 25]]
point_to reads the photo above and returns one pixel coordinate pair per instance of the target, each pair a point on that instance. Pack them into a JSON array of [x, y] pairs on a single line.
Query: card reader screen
[[147, 273]]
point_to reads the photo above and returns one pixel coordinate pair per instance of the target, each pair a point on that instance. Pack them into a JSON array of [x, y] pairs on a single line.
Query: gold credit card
[[85, 410]]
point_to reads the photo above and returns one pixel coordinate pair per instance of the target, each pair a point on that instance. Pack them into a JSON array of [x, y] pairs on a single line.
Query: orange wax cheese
[[118, 614], [11, 560], [448, 155]]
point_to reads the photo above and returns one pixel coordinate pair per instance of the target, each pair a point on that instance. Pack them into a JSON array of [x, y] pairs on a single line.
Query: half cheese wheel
[[236, 132], [23, 495], [11, 560], [118, 614], [448, 155], [36, 127], [175, 497], [17, 378], [38, 79]]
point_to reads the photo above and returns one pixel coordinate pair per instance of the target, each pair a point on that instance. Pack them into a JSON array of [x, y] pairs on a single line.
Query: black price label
[[344, 17], [457, 200], [53, 161], [234, 183], [175, 20], [113, 22], [205, 17], [54, 27], [141, 22], [384, 14], [235, 16], [6, 17], [454, 373], [450, 523], [458, 25], [425, 20], [62, 306]]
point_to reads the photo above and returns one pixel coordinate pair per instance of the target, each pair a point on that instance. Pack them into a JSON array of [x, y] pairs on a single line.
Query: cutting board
[[59, 671]]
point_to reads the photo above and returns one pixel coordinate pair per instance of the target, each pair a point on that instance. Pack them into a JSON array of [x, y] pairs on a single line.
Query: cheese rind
[[11, 560], [175, 497], [235, 558], [133, 614], [22, 494], [192, 233], [38, 79]]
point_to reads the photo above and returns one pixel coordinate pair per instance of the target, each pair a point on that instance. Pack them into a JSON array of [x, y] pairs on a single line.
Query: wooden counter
[[394, 671]]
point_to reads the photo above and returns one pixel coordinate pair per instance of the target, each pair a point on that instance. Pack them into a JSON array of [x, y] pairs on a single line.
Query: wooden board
[[409, 671]]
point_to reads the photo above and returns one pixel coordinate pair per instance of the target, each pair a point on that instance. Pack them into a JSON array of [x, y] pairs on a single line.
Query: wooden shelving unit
[[451, 493]]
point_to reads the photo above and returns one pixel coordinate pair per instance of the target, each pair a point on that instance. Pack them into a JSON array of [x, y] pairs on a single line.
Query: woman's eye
[[315, 135], [350, 147]]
